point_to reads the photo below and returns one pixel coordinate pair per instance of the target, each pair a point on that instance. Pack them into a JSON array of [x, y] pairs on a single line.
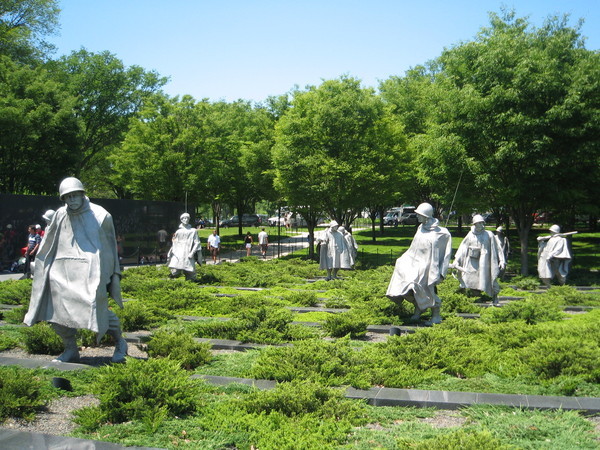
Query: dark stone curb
[[40, 364], [437, 399], [20, 440], [381, 396], [455, 400]]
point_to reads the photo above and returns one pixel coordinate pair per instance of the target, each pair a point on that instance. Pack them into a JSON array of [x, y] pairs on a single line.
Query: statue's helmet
[[478, 218], [425, 209], [500, 229], [554, 229], [341, 230], [48, 215], [333, 223], [184, 215], [68, 185]]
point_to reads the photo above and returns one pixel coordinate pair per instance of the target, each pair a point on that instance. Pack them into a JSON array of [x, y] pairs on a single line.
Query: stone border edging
[[382, 396], [19, 440]]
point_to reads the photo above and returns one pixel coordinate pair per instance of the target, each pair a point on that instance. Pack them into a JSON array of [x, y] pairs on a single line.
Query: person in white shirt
[[263, 241], [213, 244]]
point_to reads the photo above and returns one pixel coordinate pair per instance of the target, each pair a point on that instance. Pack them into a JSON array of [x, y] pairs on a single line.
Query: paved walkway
[[293, 242]]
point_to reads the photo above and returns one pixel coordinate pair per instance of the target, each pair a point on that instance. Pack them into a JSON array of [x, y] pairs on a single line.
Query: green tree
[[334, 146], [526, 110], [23, 24], [157, 160], [39, 130], [109, 96]]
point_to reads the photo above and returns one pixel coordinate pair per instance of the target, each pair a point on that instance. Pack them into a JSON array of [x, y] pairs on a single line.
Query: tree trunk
[[523, 239], [524, 221]]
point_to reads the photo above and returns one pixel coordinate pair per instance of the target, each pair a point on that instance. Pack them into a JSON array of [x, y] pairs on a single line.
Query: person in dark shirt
[[33, 243]]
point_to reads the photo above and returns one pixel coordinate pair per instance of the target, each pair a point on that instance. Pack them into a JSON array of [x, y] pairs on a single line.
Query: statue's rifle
[[545, 238]]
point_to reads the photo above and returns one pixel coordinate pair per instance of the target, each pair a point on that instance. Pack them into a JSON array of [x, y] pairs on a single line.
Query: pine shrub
[[22, 393], [42, 339], [142, 391], [15, 292], [179, 345], [531, 310], [348, 323], [16, 315], [136, 315]]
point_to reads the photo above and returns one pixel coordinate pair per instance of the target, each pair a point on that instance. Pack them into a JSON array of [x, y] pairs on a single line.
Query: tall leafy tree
[[109, 95], [526, 110], [334, 145], [38, 130], [23, 26], [157, 158]]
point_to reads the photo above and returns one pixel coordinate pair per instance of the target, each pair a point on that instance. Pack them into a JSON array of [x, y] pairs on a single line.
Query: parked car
[[408, 219], [391, 218], [275, 219], [248, 220]]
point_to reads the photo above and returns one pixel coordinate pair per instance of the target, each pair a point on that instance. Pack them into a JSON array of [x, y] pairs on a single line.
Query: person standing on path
[[213, 244], [263, 241], [33, 244], [248, 243]]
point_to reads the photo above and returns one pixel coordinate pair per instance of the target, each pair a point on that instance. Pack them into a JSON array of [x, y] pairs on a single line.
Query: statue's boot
[[435, 316], [417, 315], [114, 330], [495, 301], [71, 353]]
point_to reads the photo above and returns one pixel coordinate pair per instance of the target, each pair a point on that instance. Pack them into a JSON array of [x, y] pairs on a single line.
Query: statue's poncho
[[74, 266], [423, 265], [479, 259], [554, 258], [334, 252], [185, 243]]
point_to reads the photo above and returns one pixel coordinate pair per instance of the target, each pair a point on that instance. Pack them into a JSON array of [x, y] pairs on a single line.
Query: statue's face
[[74, 200], [479, 226], [334, 228], [421, 218], [185, 219]]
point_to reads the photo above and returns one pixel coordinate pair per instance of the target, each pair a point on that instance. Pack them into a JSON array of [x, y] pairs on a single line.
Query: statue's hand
[[191, 255], [114, 289]]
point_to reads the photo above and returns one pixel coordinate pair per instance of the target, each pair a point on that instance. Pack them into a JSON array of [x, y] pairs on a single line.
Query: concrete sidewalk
[[287, 246]]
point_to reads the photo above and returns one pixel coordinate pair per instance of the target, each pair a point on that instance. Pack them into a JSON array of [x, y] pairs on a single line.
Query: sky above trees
[[255, 49]]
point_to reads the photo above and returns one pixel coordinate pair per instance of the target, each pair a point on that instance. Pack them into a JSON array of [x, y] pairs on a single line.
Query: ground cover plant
[[520, 349]]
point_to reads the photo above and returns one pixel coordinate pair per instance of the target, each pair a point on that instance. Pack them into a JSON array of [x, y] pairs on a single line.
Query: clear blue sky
[[250, 49]]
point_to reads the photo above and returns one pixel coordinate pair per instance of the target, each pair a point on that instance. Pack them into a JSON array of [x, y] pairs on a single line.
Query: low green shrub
[[136, 315], [22, 393], [16, 315], [568, 295], [347, 323], [531, 310], [8, 341], [15, 292], [179, 345], [218, 329], [551, 357], [42, 339], [459, 303], [146, 391], [89, 338], [526, 283], [331, 364], [302, 298], [458, 439], [300, 397]]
